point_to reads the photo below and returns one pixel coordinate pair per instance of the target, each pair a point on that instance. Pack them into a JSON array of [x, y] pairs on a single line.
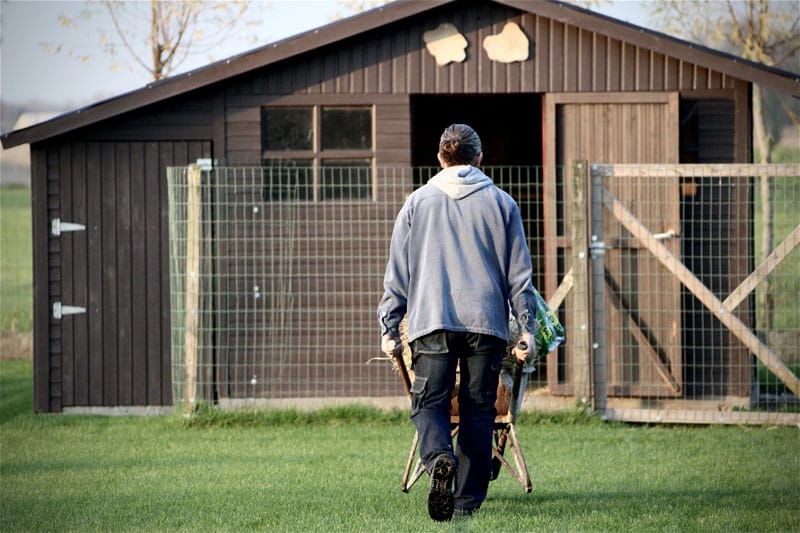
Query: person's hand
[[523, 347], [391, 346]]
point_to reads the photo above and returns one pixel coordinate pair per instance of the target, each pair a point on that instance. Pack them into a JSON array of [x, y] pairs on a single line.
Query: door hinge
[[59, 310], [57, 227]]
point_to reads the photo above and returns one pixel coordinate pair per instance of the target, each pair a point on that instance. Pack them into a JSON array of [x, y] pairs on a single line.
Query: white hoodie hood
[[460, 181]]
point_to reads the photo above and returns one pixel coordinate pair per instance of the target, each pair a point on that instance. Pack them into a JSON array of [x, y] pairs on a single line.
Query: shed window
[[317, 153], [346, 128], [287, 128]]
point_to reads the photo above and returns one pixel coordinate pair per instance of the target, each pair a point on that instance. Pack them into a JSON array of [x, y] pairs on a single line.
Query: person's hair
[[459, 145]]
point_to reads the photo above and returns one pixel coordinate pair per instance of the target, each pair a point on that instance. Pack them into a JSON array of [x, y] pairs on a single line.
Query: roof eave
[[730, 65]]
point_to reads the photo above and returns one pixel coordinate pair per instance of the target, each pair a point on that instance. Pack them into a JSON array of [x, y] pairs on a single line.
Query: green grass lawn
[[340, 471], [16, 270]]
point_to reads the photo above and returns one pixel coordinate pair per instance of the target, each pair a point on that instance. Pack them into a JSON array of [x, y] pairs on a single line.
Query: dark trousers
[[435, 358]]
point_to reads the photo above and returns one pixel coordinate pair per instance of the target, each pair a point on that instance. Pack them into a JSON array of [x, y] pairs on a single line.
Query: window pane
[[346, 180], [346, 128], [288, 180], [287, 128]]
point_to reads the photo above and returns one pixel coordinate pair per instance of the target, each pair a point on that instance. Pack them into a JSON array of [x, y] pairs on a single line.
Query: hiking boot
[[440, 497]]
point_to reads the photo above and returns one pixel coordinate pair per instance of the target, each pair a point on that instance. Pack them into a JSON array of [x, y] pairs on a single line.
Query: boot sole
[[440, 498]]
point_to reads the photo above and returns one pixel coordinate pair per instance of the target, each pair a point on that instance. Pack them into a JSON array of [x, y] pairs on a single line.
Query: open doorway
[[509, 125], [510, 128]]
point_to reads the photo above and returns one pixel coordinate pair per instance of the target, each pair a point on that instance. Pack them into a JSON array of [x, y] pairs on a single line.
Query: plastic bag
[[548, 334]]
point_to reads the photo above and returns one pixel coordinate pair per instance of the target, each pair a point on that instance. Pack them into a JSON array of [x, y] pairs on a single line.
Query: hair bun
[[459, 145]]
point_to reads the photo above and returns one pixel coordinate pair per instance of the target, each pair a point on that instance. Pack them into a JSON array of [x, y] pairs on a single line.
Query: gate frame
[[601, 200]]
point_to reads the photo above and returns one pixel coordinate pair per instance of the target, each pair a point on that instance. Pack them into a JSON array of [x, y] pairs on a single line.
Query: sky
[[28, 72]]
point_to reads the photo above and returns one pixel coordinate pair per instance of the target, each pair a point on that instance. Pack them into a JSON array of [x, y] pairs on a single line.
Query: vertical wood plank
[[157, 243], [79, 275], [110, 280], [219, 126], [94, 244], [550, 231], [139, 307], [386, 60], [123, 289]]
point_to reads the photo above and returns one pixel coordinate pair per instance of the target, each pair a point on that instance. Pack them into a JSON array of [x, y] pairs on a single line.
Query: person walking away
[[458, 262]]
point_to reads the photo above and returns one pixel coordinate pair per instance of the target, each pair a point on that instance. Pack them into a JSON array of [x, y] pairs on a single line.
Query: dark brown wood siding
[[187, 118], [118, 352], [563, 58]]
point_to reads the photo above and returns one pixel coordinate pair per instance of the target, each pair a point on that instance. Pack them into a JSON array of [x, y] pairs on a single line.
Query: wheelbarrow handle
[[401, 367], [521, 345]]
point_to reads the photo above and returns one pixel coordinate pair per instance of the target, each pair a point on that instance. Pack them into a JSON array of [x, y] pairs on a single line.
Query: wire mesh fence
[[276, 274], [702, 278]]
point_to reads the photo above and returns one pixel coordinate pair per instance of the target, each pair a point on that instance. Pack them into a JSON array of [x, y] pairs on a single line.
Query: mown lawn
[[340, 470]]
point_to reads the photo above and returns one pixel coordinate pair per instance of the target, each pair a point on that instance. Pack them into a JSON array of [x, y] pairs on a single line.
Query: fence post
[[579, 238], [598, 252], [765, 300], [193, 174]]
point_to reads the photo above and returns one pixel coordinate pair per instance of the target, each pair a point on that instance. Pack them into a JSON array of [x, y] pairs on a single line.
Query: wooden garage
[[544, 83]]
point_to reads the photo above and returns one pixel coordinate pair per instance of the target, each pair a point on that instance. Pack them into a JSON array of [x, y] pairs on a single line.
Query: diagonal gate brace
[[703, 293], [763, 270]]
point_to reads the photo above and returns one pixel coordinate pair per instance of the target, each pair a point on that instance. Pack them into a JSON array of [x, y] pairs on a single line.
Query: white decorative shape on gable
[[508, 46], [446, 44]]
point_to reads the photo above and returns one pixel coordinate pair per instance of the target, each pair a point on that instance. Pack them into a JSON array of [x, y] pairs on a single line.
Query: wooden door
[[643, 301], [110, 332]]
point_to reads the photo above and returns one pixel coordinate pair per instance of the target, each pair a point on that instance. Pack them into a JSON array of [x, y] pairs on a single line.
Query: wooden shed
[[543, 82]]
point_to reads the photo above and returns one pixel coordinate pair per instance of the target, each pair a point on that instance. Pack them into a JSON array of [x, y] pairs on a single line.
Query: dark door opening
[[509, 125]]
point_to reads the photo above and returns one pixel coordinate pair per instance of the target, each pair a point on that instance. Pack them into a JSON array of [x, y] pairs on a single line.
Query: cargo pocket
[[418, 387], [418, 392]]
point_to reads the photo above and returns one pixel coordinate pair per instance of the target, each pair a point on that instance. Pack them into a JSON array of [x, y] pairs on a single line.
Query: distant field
[[16, 269]]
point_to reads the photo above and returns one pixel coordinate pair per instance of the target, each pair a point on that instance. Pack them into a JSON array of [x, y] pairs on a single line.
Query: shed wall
[[113, 171]]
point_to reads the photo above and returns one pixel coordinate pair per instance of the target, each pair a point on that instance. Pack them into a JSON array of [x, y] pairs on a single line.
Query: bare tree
[[158, 36], [765, 31]]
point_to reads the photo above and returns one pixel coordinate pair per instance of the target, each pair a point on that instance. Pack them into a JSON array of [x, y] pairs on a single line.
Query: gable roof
[[370, 20]]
